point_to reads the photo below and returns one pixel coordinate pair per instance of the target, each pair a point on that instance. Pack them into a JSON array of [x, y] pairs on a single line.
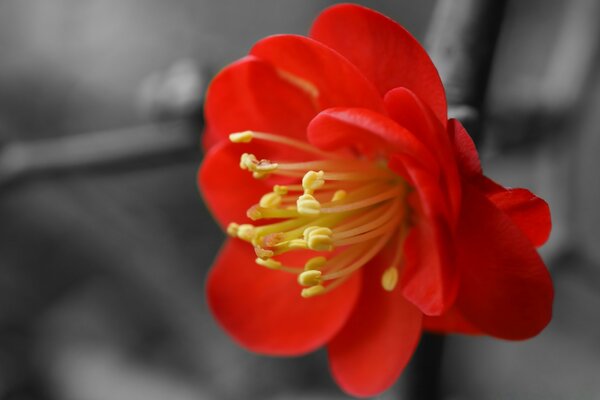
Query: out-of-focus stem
[[461, 41], [105, 149]]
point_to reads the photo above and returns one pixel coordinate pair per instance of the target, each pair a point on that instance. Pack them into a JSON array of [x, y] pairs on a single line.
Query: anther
[[254, 213], [389, 279], [232, 229], [263, 253], [269, 263], [315, 263], [312, 181], [270, 200], [308, 205], [297, 244], [241, 137], [272, 239], [338, 195], [245, 232], [318, 238], [280, 190], [312, 291], [310, 278]]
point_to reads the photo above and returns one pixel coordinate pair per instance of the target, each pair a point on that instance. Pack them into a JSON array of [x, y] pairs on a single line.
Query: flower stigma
[[340, 211]]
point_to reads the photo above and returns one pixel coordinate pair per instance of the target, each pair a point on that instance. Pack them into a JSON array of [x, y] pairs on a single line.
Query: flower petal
[[263, 311], [368, 132], [377, 342], [466, 153], [383, 50], [506, 290], [223, 183], [410, 112], [452, 321], [430, 279], [317, 69], [250, 94], [530, 213], [527, 211]]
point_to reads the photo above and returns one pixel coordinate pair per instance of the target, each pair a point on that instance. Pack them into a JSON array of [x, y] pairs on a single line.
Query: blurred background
[[105, 242]]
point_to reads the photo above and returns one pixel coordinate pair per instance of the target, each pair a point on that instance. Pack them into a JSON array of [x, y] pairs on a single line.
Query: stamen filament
[[366, 257], [391, 193], [386, 214], [269, 137], [369, 235]]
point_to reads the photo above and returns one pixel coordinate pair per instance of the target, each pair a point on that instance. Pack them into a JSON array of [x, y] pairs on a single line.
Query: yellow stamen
[[315, 263], [232, 229], [263, 253], [338, 195], [310, 278], [270, 200], [280, 190], [245, 232], [269, 263], [312, 181], [308, 205], [241, 137], [389, 279], [331, 203], [312, 291], [318, 238]]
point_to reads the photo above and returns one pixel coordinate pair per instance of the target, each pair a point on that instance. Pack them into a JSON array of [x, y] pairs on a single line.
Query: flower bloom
[[358, 212]]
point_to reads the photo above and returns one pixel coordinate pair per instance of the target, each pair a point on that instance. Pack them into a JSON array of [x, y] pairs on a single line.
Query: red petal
[[450, 322], [530, 213], [312, 65], [409, 111], [430, 278], [227, 189], [263, 311], [506, 290], [372, 132], [383, 50], [466, 153], [251, 95], [379, 339]]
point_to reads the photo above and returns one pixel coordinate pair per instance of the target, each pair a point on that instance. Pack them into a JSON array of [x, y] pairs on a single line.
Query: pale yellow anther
[[232, 229], [297, 244], [338, 195], [269, 263], [312, 291], [247, 161], [259, 175], [270, 200], [245, 232], [280, 190], [312, 181], [318, 238], [259, 168], [263, 253], [241, 137], [307, 205], [389, 279], [310, 278], [254, 213], [315, 263], [272, 239]]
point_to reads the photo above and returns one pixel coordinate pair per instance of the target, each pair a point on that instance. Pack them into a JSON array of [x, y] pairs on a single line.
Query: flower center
[[343, 209]]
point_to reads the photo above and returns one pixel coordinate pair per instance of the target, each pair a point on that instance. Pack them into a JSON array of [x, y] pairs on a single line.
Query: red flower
[[382, 212]]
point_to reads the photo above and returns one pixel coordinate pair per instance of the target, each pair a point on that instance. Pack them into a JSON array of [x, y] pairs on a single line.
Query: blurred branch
[[104, 149], [461, 41]]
